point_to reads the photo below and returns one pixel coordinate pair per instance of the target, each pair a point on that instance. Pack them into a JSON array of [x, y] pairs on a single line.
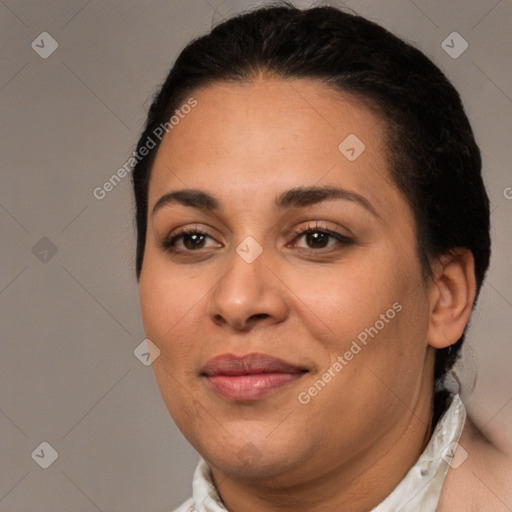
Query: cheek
[[344, 300], [379, 303], [170, 305], [166, 300], [376, 346]]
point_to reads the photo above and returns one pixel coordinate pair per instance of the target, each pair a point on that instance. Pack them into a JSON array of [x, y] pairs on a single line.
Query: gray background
[[70, 320]]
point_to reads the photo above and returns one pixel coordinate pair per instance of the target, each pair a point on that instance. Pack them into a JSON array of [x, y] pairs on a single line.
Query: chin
[[256, 455], [249, 462]]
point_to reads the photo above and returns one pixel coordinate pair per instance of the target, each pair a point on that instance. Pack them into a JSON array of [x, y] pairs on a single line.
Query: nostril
[[240, 324], [259, 315]]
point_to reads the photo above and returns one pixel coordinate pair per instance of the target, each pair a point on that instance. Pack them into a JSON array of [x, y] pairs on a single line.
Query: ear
[[452, 293]]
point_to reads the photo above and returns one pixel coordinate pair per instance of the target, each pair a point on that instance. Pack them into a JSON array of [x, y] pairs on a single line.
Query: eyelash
[[343, 241]]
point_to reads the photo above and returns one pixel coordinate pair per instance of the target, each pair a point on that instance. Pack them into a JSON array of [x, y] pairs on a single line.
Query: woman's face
[[284, 353]]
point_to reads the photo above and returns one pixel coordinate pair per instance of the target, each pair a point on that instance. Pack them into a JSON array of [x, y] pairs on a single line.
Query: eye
[[318, 237], [187, 240]]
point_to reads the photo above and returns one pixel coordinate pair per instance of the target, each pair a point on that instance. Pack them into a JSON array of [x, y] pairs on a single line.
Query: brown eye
[[317, 239], [187, 240], [193, 240]]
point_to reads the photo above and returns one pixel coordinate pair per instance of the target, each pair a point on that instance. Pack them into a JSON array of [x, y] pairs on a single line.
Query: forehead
[[272, 134]]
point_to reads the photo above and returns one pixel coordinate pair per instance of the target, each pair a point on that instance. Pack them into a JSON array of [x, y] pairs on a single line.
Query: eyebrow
[[298, 197]]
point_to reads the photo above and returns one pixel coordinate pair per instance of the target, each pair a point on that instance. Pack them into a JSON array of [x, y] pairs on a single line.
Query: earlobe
[[452, 295]]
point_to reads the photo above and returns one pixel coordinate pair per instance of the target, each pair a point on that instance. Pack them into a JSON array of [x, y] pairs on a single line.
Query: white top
[[419, 491]]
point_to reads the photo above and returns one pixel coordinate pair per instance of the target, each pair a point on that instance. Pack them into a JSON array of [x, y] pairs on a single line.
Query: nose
[[248, 294]]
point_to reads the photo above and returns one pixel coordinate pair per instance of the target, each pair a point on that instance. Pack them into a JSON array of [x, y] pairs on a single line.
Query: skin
[[483, 482], [355, 440]]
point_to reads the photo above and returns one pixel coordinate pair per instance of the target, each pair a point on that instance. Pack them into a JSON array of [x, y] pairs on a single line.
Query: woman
[[313, 232]]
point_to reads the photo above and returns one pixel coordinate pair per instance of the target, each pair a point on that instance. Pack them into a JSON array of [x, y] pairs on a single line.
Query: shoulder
[[480, 478]]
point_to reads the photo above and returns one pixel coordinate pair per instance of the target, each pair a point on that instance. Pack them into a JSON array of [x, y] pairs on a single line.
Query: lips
[[251, 377]]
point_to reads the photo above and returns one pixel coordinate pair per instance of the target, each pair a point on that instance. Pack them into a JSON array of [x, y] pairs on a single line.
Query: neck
[[363, 482]]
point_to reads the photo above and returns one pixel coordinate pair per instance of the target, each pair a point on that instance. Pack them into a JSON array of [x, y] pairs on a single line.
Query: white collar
[[419, 491]]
